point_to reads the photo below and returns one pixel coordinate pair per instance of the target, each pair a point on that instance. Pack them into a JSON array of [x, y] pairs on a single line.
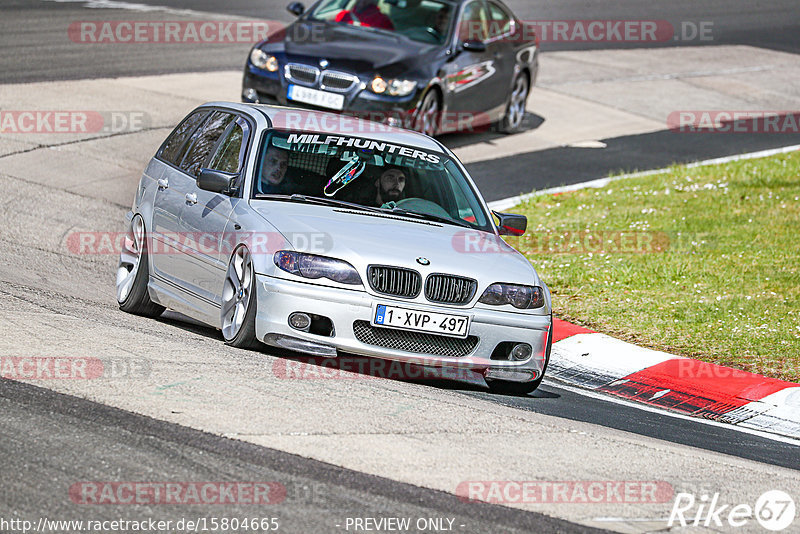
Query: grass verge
[[701, 262]]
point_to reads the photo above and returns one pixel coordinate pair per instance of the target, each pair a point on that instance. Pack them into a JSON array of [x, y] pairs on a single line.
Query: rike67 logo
[[774, 510]]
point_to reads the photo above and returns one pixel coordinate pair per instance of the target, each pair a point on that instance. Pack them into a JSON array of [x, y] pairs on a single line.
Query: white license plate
[[421, 321], [317, 98]]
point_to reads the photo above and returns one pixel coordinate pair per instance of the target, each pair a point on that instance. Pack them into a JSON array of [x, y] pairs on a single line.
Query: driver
[[442, 19], [365, 13], [390, 185]]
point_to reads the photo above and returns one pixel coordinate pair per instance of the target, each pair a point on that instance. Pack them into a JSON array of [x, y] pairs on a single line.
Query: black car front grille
[[394, 281], [449, 289], [416, 342], [338, 81], [303, 74]]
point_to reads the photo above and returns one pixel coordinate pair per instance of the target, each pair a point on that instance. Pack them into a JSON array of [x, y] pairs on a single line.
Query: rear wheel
[[133, 273], [515, 111], [238, 315], [524, 388]]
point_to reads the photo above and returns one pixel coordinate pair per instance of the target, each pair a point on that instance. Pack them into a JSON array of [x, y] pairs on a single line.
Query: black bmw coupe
[[430, 65]]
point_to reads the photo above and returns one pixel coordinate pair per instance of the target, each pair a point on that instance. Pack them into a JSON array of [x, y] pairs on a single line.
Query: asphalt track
[[49, 441], [36, 46], [164, 427], [546, 168]]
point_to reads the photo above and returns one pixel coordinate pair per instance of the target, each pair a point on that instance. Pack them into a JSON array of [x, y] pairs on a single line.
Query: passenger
[[365, 13], [273, 171]]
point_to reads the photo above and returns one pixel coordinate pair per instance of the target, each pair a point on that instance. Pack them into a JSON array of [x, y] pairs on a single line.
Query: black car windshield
[[366, 173], [427, 21]]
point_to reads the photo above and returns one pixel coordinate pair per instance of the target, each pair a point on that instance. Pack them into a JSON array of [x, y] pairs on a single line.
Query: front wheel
[[133, 273], [427, 119], [238, 314], [524, 388], [515, 111]]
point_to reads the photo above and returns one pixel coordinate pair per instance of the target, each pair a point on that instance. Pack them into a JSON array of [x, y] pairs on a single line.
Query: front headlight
[[522, 297], [262, 60], [314, 267], [392, 87]]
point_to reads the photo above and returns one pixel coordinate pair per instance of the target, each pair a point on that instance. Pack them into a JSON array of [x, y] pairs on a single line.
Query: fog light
[[300, 321], [522, 351], [250, 94]]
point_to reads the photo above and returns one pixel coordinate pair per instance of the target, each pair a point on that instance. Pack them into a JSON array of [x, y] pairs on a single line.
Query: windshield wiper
[[428, 216], [332, 202]]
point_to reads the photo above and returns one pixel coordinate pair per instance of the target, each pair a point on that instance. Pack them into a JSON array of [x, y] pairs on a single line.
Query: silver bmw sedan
[[322, 234]]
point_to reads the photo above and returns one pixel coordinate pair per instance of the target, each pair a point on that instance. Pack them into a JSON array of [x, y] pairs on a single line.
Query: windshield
[[427, 21], [369, 174]]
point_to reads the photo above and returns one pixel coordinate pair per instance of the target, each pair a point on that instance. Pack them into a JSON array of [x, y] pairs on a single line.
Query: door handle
[[163, 183], [191, 198]]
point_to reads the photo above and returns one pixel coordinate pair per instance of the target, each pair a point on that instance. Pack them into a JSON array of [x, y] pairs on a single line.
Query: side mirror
[[511, 223], [216, 181], [473, 45], [296, 8]]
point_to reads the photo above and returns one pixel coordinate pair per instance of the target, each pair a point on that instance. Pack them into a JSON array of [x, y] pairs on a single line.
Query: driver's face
[[441, 20], [273, 169], [392, 184]]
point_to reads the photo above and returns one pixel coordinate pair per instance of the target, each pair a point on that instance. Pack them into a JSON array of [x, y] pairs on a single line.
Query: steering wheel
[[423, 206]]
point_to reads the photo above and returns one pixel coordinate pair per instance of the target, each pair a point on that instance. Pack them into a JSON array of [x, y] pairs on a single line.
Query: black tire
[[138, 299], [245, 337], [511, 123], [521, 389]]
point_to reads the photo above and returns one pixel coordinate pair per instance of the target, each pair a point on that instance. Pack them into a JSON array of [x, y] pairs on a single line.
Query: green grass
[[716, 272]]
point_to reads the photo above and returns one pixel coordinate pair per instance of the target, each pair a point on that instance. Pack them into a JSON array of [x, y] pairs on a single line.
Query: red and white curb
[[587, 359]]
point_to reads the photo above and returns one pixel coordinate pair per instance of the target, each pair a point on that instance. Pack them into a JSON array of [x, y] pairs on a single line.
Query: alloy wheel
[[237, 292], [130, 258], [516, 107]]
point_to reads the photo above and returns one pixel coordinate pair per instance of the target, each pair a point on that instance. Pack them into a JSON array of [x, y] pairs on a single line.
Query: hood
[[354, 48], [362, 238]]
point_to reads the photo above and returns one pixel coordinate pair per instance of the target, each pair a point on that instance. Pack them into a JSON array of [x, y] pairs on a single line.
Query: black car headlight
[[522, 297], [398, 87], [262, 60], [314, 267]]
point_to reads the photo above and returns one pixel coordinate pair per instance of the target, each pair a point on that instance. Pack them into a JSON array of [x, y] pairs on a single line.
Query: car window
[[500, 21], [229, 156], [426, 21], [468, 211], [203, 142], [473, 23], [175, 146], [371, 173]]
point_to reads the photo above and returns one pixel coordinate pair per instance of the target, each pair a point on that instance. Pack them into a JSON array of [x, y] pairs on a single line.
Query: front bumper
[[261, 87], [278, 298]]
